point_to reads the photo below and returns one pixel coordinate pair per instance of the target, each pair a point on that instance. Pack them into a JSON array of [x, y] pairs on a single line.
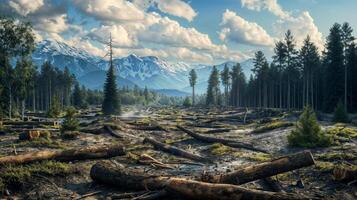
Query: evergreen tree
[[307, 132], [225, 77], [146, 95], [279, 60], [291, 71], [213, 90], [111, 104], [352, 68], [193, 81], [78, 98], [55, 108], [187, 102], [238, 86], [347, 41], [340, 114], [70, 123], [334, 69], [310, 61]]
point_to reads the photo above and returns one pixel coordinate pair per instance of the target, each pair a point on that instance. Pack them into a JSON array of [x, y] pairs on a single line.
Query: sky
[[195, 31]]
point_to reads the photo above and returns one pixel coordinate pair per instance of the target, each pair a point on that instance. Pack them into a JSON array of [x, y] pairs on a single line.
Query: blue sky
[[196, 31]]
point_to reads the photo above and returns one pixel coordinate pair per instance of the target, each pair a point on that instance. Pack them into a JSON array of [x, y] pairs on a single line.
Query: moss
[[335, 156], [272, 126], [42, 142], [324, 166], [339, 131], [17, 175], [259, 157], [220, 149]]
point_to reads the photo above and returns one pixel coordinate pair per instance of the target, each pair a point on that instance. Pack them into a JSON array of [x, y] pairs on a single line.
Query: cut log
[[133, 179], [272, 184], [104, 151], [231, 143], [263, 170], [174, 150], [344, 174]]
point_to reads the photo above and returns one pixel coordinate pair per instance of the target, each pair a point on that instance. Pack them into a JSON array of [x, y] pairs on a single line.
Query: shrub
[[187, 102], [307, 132], [340, 114], [70, 123]]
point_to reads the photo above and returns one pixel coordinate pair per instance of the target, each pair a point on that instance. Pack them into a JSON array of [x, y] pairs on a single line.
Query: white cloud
[[52, 24], [121, 37], [25, 7], [111, 10], [300, 25], [270, 5], [177, 8], [239, 30]]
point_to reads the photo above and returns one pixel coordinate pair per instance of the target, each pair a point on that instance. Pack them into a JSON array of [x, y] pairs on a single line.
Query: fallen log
[[104, 151], [174, 150], [344, 174], [263, 170], [112, 132], [231, 143], [133, 179], [222, 130]]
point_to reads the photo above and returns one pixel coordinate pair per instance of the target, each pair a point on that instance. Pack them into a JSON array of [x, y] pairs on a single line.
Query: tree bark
[[264, 170], [136, 179], [105, 151], [174, 150], [231, 143]]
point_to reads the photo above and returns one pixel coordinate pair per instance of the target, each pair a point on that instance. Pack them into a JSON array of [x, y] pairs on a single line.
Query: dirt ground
[[312, 181]]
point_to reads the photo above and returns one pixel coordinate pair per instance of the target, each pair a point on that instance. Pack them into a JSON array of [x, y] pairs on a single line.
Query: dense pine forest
[[296, 77]]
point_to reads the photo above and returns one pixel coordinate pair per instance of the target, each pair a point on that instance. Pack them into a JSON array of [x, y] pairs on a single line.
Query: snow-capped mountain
[[133, 70], [62, 55]]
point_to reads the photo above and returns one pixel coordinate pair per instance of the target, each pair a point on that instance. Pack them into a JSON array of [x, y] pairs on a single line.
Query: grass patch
[[16, 176], [42, 142], [220, 149], [259, 157], [272, 126]]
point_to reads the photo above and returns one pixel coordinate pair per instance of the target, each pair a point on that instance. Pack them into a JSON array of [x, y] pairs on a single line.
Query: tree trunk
[[105, 151], [174, 150], [136, 179], [231, 143], [264, 170], [23, 109], [10, 102]]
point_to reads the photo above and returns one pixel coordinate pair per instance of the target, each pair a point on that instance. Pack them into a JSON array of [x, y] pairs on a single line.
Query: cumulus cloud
[[270, 5], [177, 8], [24, 7], [52, 24], [301, 24], [111, 10], [239, 30]]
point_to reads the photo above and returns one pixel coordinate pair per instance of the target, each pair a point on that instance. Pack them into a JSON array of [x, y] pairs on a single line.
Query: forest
[[288, 131]]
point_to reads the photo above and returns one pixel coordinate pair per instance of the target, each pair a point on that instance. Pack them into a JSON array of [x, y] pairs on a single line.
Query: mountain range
[[148, 71]]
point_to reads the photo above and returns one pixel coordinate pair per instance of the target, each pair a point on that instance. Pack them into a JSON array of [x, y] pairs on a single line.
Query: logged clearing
[[175, 153]]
